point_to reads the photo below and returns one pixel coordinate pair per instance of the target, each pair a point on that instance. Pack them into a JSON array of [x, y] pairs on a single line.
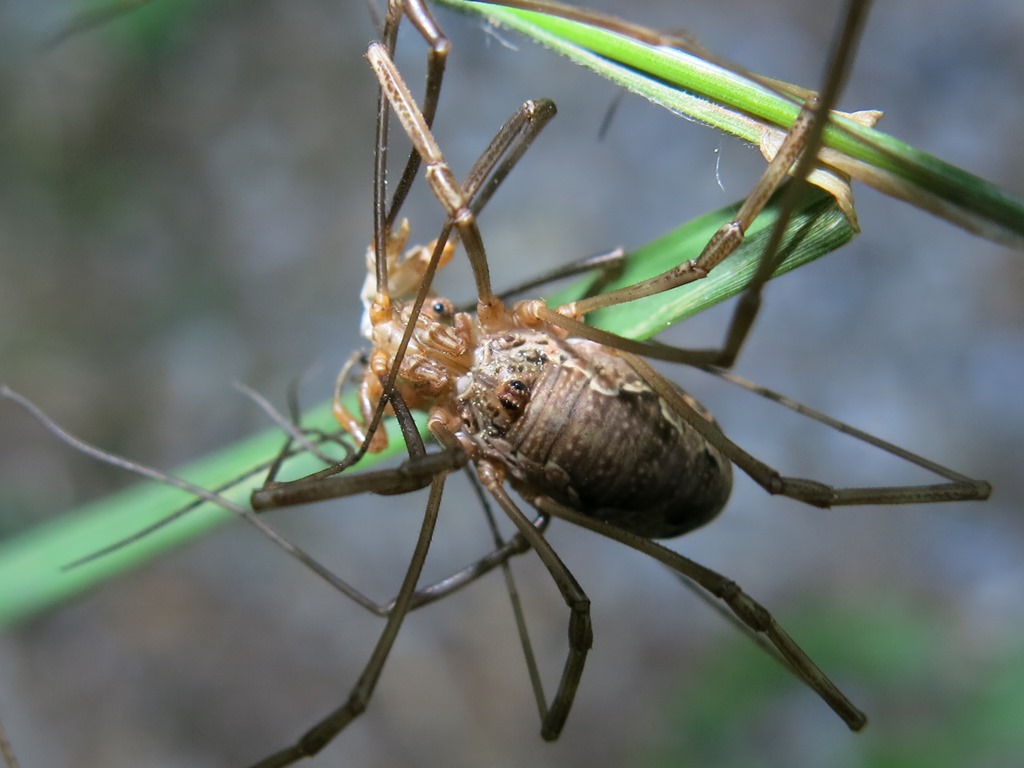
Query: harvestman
[[489, 382], [484, 378]]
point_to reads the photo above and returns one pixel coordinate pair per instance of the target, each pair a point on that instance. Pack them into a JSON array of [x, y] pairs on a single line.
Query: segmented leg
[[581, 632], [437, 56], [321, 734], [751, 613], [958, 488], [440, 177], [797, 153]]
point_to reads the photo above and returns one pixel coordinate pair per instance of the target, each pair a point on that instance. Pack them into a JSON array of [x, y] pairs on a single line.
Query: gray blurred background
[[185, 202]]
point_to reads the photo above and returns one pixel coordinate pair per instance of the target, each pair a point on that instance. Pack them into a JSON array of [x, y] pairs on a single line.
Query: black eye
[[442, 309], [518, 386]]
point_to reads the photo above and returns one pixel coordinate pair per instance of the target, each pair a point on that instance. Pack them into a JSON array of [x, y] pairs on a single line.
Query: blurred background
[[185, 203]]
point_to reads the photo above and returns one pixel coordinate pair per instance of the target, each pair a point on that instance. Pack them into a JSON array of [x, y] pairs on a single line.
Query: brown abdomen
[[575, 422]]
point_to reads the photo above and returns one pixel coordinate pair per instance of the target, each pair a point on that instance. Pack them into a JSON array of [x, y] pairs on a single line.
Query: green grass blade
[[31, 563], [731, 102], [816, 228]]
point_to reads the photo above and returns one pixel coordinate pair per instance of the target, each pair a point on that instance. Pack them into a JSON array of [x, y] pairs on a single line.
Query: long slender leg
[[487, 173], [321, 734], [513, 595], [418, 13], [412, 475], [581, 632], [497, 557], [419, 470], [176, 482], [461, 204], [383, 217], [607, 267], [505, 150], [425, 474], [725, 240], [749, 611], [958, 488], [490, 169], [440, 177], [800, 147]]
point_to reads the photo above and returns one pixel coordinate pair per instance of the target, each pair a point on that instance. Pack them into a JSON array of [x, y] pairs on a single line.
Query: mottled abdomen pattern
[[573, 421]]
